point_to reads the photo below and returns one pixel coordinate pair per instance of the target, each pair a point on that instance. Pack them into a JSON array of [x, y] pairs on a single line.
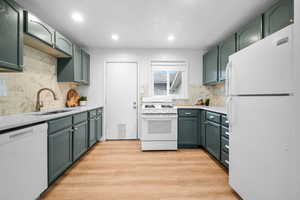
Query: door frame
[[106, 62]]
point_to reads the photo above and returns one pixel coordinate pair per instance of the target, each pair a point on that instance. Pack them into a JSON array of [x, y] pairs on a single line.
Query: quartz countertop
[[216, 109], [18, 120]]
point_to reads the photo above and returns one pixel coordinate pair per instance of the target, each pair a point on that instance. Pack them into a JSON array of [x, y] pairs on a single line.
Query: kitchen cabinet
[[63, 44], [188, 128], [75, 69], [11, 34], [213, 139], [85, 65], [226, 49], [278, 16], [250, 33], [38, 29], [99, 125], [92, 132], [59, 153], [210, 66], [79, 140], [202, 128], [41, 36]]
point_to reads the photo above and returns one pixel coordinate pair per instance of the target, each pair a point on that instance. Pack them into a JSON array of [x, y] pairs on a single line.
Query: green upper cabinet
[[11, 36], [278, 16], [78, 72], [226, 48], [75, 69], [250, 33], [63, 44], [38, 29], [210, 67], [85, 64]]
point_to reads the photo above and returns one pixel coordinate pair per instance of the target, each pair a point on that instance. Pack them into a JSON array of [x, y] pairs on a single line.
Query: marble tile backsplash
[[39, 72], [215, 93]]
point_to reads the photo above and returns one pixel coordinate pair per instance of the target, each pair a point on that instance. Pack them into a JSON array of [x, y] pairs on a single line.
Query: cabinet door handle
[[227, 133], [227, 122], [211, 117], [75, 129], [188, 113], [227, 162], [227, 147]]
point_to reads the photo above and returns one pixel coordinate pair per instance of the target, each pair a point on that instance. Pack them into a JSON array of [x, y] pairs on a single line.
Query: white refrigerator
[[261, 112]]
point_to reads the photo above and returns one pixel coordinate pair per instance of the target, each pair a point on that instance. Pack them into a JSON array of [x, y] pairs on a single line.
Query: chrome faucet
[[39, 104]]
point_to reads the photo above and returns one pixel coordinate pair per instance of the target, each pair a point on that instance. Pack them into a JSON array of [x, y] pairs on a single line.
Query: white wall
[[95, 91]]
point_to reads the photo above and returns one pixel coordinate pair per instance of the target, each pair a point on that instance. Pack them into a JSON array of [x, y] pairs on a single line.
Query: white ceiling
[[196, 24]]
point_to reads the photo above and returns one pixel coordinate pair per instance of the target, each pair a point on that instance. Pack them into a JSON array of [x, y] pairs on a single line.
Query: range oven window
[[159, 126]]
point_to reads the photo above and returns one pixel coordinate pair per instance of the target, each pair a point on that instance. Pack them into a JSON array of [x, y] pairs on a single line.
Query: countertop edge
[[221, 110], [27, 119]]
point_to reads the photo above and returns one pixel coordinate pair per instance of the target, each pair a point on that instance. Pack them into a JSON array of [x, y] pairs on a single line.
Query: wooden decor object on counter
[[72, 98]]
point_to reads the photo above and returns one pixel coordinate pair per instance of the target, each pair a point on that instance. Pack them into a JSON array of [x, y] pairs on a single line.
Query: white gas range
[[159, 125]]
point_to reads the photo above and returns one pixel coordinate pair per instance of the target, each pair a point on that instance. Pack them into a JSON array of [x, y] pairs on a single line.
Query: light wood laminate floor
[[118, 170]]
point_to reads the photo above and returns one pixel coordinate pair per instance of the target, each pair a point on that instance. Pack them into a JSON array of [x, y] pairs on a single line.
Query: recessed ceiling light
[[171, 37], [77, 17], [115, 37]]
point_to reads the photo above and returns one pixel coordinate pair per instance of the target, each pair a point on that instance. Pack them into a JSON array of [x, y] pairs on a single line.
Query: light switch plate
[[3, 88]]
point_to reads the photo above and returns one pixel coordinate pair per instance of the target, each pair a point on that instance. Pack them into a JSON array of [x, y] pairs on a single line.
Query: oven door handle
[[154, 117]]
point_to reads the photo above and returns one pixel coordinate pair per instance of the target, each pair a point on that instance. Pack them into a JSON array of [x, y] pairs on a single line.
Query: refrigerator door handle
[[228, 109], [228, 77]]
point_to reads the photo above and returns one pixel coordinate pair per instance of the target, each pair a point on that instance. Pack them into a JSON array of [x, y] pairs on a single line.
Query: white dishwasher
[[23, 164]]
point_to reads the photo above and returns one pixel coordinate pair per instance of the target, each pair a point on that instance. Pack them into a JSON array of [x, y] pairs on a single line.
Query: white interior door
[[121, 100]]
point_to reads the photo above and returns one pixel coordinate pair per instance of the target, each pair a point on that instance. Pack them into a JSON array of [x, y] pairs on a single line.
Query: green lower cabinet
[[210, 66], [213, 139], [278, 16], [99, 127], [59, 153], [92, 132], [79, 140], [226, 49], [188, 134], [11, 36], [250, 33]]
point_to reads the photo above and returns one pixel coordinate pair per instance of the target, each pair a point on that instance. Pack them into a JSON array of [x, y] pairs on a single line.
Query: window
[[169, 80]]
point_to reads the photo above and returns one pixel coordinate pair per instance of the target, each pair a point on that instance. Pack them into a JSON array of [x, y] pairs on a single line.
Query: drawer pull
[[227, 147], [227, 122], [188, 113], [227, 162], [211, 117], [227, 133]]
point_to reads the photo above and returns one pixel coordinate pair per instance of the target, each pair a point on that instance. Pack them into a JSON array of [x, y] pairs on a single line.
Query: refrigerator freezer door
[[264, 67], [260, 146]]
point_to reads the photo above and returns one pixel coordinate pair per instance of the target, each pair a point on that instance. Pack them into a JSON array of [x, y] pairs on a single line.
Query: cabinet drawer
[[214, 117], [225, 132], [59, 124], [225, 159], [225, 145], [225, 121], [81, 117], [188, 113], [92, 114]]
